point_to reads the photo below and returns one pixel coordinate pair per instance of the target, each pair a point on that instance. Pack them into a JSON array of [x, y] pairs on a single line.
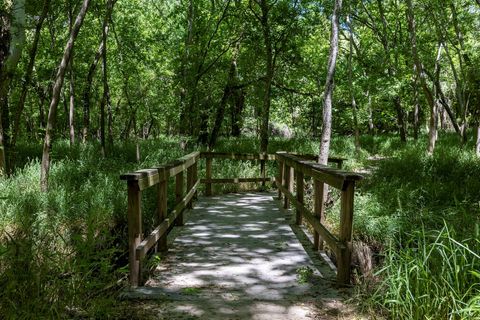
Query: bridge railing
[[158, 177], [292, 167], [139, 181]]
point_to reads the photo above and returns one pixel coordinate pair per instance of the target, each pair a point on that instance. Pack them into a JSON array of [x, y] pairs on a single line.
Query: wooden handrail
[[141, 180], [290, 164]]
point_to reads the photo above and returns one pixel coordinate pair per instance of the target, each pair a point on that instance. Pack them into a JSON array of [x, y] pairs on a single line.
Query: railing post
[[262, 168], [300, 191], [346, 221], [208, 188], [162, 199], [288, 174], [190, 183], [319, 210], [280, 180], [195, 178], [134, 231], [178, 196]]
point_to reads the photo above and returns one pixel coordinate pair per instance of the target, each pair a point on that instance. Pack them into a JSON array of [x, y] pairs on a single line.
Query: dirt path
[[238, 257]]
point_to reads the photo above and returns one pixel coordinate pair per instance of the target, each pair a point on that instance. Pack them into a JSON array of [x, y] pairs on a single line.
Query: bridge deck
[[239, 257]]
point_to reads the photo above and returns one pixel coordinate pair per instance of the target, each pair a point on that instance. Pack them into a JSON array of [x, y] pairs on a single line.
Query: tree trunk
[[87, 91], [28, 73], [329, 86], [47, 145], [106, 90], [12, 36], [416, 110], [432, 135], [236, 110], [477, 142], [227, 93], [352, 91], [71, 109], [269, 73]]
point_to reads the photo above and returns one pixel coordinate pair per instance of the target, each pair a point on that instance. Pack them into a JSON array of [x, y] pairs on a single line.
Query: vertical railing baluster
[[319, 210], [208, 187], [162, 199], [134, 231], [300, 192], [346, 221], [178, 196], [281, 179]]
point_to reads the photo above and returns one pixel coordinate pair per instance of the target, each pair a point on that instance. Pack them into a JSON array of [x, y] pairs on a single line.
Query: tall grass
[[431, 276]]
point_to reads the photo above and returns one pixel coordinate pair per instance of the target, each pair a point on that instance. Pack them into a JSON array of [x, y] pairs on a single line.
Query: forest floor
[[240, 256]]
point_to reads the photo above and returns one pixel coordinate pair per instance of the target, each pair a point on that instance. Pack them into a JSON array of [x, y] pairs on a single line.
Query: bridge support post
[[190, 183], [288, 174], [300, 192], [134, 231], [178, 196], [346, 221], [208, 187], [162, 211], [280, 179], [319, 210]]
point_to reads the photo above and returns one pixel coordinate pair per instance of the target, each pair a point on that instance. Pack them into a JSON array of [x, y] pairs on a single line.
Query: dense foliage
[[109, 86]]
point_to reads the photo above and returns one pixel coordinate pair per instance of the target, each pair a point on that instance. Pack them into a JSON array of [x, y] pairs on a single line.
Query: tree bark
[[432, 134], [352, 91], [87, 91], [329, 86], [269, 73], [71, 109], [57, 88], [28, 72]]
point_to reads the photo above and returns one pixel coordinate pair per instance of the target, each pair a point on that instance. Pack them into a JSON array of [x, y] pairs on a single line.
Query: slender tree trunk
[[227, 93], [269, 73], [329, 86], [87, 91], [71, 110], [57, 88], [352, 91], [12, 36], [29, 71], [432, 135], [477, 142], [416, 110], [237, 110]]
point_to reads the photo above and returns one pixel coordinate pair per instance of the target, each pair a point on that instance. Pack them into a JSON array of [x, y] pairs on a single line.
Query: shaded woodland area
[[91, 89]]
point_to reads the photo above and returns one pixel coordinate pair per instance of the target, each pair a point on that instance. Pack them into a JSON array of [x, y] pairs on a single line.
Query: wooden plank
[[236, 180], [179, 196], [162, 199], [134, 231], [237, 156], [280, 177], [331, 240], [332, 176], [346, 227], [263, 172], [319, 211], [152, 239], [208, 188], [300, 191], [195, 177], [190, 182], [161, 231], [288, 174]]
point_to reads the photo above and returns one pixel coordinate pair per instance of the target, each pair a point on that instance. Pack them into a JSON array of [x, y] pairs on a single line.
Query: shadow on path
[[238, 257]]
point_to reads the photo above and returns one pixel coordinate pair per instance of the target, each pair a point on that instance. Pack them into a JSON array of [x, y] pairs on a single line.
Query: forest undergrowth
[[63, 253]]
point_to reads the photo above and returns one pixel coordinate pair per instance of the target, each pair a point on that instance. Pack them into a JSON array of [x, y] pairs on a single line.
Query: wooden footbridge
[[237, 240]]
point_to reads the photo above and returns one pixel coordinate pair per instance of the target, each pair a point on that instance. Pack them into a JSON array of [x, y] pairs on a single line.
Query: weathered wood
[[237, 156], [263, 171], [160, 232], [195, 178], [134, 231], [329, 238], [319, 211], [208, 188], [162, 199], [280, 178], [332, 176], [237, 180], [300, 192], [190, 183], [288, 174], [346, 224], [179, 196]]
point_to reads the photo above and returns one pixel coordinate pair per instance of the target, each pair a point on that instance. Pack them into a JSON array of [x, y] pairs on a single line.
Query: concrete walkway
[[239, 257]]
